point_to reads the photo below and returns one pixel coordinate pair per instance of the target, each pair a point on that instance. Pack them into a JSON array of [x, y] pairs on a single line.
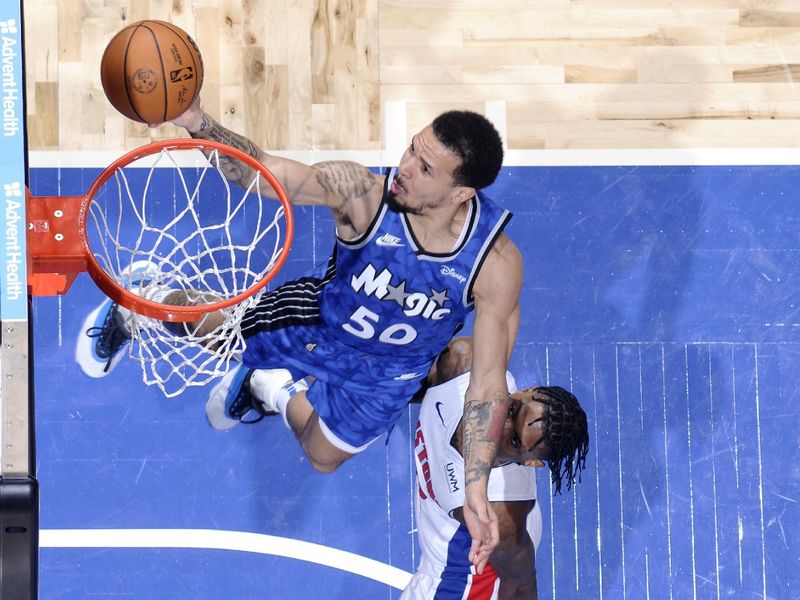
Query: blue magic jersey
[[390, 297], [371, 322]]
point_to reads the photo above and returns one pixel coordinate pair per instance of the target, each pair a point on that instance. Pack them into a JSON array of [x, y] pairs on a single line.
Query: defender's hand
[[482, 524]]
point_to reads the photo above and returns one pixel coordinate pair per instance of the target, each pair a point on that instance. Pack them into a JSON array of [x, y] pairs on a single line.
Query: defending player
[[544, 424]]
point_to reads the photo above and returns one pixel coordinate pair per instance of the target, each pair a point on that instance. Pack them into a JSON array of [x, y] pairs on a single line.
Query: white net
[[174, 231]]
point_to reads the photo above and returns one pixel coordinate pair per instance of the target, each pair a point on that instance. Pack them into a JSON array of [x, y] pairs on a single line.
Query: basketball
[[151, 71]]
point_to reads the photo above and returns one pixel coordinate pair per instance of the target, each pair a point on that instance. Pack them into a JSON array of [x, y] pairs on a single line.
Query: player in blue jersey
[[544, 424], [416, 250]]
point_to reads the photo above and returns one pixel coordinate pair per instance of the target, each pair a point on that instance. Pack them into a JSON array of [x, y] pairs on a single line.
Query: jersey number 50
[[362, 325]]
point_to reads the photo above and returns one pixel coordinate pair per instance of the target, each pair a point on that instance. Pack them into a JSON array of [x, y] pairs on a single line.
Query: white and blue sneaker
[[105, 332], [247, 395]]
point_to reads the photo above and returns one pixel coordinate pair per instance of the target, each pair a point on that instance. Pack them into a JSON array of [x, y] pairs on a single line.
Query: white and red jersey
[[445, 571]]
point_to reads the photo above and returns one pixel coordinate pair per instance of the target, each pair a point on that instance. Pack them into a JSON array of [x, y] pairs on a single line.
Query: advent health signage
[[13, 292]]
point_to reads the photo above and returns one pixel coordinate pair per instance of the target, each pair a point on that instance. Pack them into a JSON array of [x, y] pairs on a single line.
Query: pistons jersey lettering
[[384, 295], [423, 466]]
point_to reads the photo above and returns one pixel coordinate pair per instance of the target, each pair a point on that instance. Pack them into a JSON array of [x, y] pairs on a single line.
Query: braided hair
[[565, 433]]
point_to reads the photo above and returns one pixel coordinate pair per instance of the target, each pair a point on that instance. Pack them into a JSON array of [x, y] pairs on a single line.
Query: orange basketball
[[151, 71]]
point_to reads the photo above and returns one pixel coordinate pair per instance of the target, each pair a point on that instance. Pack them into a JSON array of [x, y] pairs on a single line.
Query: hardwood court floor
[[316, 74]]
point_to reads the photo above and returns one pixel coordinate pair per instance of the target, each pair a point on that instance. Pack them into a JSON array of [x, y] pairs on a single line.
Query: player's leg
[[322, 453], [106, 331], [335, 422], [246, 396]]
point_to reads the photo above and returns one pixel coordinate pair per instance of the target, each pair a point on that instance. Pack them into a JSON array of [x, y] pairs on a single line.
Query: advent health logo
[[13, 220], [13, 249], [11, 71]]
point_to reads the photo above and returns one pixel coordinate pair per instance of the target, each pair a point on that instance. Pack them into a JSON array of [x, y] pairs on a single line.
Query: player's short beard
[[395, 206]]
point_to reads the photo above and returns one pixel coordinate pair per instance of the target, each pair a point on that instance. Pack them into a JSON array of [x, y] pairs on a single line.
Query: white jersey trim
[[481, 257], [341, 444]]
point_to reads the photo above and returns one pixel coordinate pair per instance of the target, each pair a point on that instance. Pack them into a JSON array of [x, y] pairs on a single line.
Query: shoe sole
[[90, 363], [217, 402]]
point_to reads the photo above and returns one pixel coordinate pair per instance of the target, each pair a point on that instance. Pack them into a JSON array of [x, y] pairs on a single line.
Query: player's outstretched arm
[[486, 407], [336, 184]]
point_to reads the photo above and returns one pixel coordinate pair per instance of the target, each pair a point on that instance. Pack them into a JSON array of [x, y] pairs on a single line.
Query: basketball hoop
[[163, 222]]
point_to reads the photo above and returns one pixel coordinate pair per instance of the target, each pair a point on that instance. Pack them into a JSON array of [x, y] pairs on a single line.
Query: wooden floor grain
[[316, 74]]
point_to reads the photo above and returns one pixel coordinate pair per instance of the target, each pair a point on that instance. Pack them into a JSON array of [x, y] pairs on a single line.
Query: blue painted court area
[[665, 298]]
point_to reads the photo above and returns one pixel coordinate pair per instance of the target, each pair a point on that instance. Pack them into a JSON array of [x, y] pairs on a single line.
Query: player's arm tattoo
[[346, 181], [235, 171], [483, 429]]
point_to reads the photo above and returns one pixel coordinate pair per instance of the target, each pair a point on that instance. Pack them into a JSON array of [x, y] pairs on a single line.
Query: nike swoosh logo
[[382, 242], [407, 376], [438, 407]]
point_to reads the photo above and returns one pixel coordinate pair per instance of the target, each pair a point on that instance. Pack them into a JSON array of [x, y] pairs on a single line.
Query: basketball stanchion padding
[[185, 253]]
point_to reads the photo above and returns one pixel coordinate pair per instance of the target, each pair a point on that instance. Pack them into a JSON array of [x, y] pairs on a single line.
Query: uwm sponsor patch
[[451, 478]]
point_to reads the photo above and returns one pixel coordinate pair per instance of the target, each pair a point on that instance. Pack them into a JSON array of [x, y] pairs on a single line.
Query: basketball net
[[184, 254]]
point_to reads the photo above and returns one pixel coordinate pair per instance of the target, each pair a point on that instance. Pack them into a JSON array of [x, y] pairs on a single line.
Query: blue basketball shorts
[[357, 396]]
